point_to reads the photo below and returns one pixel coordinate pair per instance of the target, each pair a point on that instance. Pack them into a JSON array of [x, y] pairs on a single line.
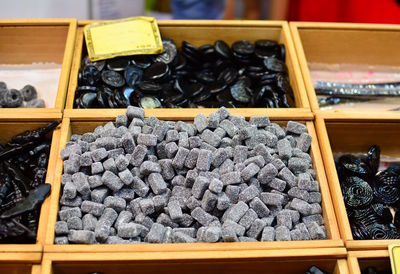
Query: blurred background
[[361, 11]]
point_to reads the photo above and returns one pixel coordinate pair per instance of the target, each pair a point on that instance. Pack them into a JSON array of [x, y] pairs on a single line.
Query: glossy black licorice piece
[[23, 167], [315, 270], [373, 270], [370, 195], [244, 74]]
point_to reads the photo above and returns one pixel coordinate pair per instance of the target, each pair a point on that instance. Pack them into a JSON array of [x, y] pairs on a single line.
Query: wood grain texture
[[343, 43], [29, 41], [355, 135], [200, 32]]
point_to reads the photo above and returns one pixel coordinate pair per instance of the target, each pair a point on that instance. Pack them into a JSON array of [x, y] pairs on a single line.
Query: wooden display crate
[[26, 41], [20, 268], [8, 129], [354, 133], [359, 260], [344, 43], [288, 261], [71, 126], [201, 32]]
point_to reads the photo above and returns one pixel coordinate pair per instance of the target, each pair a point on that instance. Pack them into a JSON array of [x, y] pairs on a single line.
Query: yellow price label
[[130, 36], [394, 253]]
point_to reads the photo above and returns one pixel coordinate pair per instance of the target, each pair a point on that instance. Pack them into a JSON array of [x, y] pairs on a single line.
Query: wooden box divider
[[24, 41], [359, 260], [344, 43], [9, 128], [279, 261], [70, 126], [354, 133], [200, 32]]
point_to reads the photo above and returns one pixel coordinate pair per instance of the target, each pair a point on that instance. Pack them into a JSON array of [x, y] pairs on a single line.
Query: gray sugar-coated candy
[[271, 139], [127, 143], [94, 181], [213, 120], [231, 178], [160, 130], [191, 176], [108, 143], [186, 220], [237, 228], [296, 192], [246, 239], [138, 155], [110, 165], [97, 168], [180, 158], [204, 160], [77, 201], [148, 167], [249, 193], [159, 201], [85, 159], [104, 224], [179, 180], [147, 206], [202, 216], [250, 171], [316, 232], [223, 201], [301, 206], [126, 177], [190, 231], [296, 128], [157, 183], [314, 197], [62, 240], [282, 233], [175, 211], [212, 234], [116, 203], [248, 218], [278, 164], [304, 182], [259, 207], [61, 228], [255, 229], [219, 157], [240, 154], [259, 121], [262, 150], [89, 222], [247, 132], [180, 237], [207, 146], [121, 162], [200, 122], [167, 169], [99, 194], [284, 218], [315, 209], [74, 223], [223, 113], [112, 181], [93, 208], [228, 234], [183, 140], [72, 149], [304, 142], [88, 137], [172, 136], [314, 218], [277, 184], [286, 175], [171, 149], [296, 235], [216, 185], [267, 174], [134, 112], [121, 120], [200, 185], [166, 220], [210, 138], [233, 193], [81, 237], [227, 166], [156, 233], [69, 190], [237, 211], [268, 234], [194, 141], [209, 201], [81, 183], [258, 160], [129, 230], [69, 213], [229, 128], [272, 199], [304, 231], [191, 159], [284, 149]]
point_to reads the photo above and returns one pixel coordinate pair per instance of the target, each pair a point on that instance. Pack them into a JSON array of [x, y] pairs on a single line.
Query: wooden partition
[[200, 32], [359, 260]]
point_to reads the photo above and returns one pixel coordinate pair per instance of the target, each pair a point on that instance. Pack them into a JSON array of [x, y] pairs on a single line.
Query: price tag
[[130, 36], [394, 253]]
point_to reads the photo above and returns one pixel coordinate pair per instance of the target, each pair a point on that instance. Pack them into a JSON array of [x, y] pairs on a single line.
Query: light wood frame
[[38, 40], [199, 32], [344, 43], [280, 261], [377, 258], [352, 133], [70, 126]]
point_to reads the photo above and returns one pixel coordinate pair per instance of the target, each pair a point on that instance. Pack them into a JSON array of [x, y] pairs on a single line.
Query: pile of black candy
[[315, 270], [370, 196], [243, 75], [23, 168], [373, 270], [221, 178], [14, 98]]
